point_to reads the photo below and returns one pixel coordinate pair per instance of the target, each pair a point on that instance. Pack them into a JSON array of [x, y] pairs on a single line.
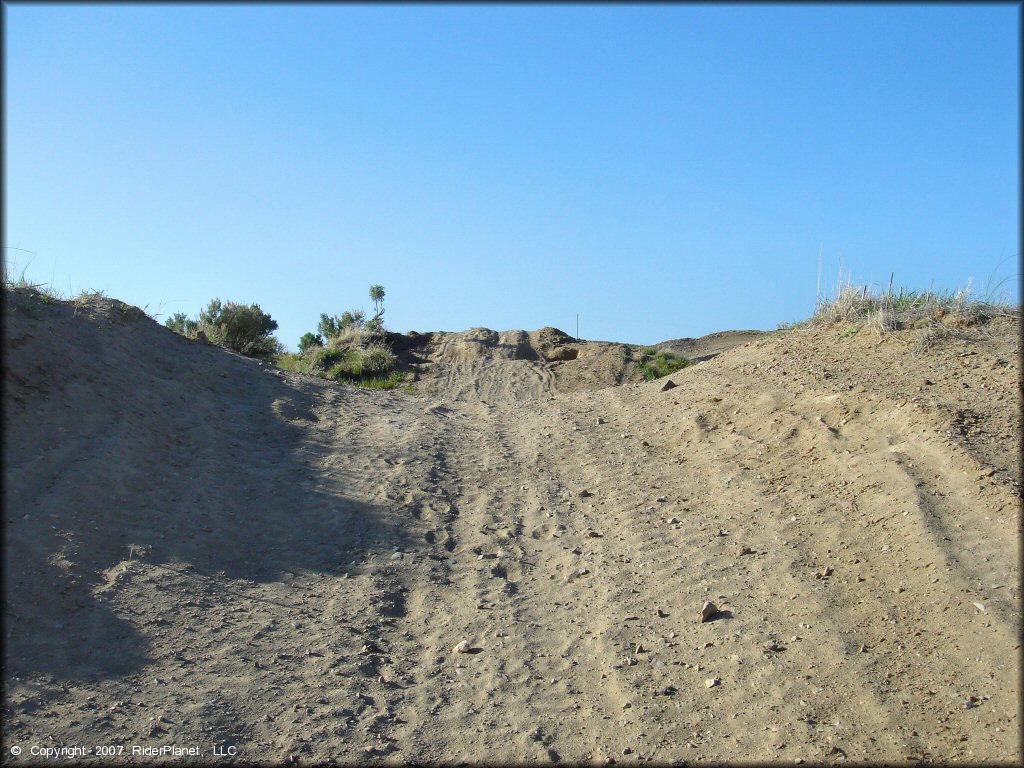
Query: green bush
[[332, 326], [320, 359], [349, 348], [180, 323], [245, 329], [390, 381], [378, 359], [657, 363], [310, 340], [290, 362]]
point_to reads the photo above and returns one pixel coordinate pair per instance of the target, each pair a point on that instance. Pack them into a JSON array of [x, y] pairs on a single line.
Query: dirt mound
[[706, 347], [202, 551], [501, 365]]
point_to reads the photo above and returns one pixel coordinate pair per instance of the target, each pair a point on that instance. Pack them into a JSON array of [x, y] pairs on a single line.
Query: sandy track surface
[[204, 552]]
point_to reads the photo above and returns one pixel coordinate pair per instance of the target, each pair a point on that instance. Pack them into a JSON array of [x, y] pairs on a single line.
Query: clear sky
[[663, 171]]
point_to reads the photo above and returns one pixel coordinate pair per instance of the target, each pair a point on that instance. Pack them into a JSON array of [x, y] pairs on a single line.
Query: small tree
[[310, 340], [377, 296]]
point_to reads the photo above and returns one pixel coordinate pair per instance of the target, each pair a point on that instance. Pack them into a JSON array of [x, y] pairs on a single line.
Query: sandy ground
[[212, 554]]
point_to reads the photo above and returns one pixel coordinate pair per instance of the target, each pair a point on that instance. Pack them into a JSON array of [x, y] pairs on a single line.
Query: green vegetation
[[792, 325], [244, 329], [310, 340], [377, 297], [181, 324], [348, 348], [656, 363], [368, 364]]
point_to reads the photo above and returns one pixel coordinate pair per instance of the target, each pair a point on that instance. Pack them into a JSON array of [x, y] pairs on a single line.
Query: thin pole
[[818, 299], [577, 327]]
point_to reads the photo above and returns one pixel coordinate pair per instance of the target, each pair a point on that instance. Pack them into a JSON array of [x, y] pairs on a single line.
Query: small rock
[[711, 682], [461, 647], [661, 499], [599, 420], [396, 556], [668, 385], [627, 751], [584, 493], [774, 646], [744, 551], [980, 607], [708, 611]]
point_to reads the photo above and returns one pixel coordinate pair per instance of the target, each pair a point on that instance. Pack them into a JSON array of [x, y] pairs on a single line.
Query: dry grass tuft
[[937, 315]]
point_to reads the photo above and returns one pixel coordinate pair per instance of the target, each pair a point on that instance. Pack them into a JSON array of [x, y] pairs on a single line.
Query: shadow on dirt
[[151, 448]]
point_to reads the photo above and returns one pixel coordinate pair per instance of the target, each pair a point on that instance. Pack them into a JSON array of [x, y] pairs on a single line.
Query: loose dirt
[[205, 552]]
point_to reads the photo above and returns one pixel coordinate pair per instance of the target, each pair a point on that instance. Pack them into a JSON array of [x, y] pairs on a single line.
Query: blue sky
[[663, 170]]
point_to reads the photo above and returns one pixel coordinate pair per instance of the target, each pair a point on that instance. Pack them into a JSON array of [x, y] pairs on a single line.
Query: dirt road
[[208, 553]]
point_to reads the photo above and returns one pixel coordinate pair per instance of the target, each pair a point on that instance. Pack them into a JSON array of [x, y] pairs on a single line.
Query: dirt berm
[[208, 553]]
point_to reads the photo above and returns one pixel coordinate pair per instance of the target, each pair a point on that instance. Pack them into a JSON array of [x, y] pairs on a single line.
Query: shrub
[[353, 365], [349, 348], [390, 381], [328, 327], [378, 359], [180, 323], [332, 326], [310, 340], [350, 368], [320, 359], [657, 363], [290, 362], [244, 329]]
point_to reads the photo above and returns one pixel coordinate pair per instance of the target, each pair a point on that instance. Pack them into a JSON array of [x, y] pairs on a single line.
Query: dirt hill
[[206, 552]]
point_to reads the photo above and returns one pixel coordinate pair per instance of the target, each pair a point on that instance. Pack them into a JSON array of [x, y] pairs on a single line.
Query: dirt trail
[[204, 551]]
